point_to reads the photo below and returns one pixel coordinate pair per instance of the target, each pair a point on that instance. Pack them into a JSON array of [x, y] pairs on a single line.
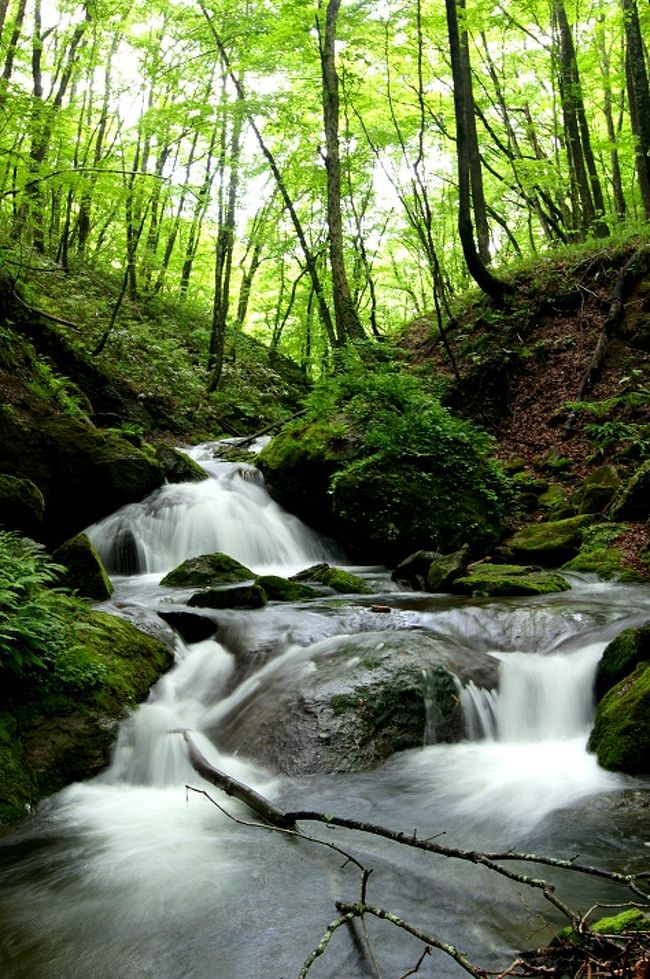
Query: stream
[[128, 875]]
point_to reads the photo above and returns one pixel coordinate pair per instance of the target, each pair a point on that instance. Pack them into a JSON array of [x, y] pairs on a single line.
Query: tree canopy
[[315, 171]]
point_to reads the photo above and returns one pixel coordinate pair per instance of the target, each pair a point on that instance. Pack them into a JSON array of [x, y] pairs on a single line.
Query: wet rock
[[84, 571], [621, 657], [599, 554], [431, 571], [349, 702], [505, 579], [621, 733], [279, 589], [178, 467], [335, 578], [207, 570], [191, 626], [549, 543], [242, 596]]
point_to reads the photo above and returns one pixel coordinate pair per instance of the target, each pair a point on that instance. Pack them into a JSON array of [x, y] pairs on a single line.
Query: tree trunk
[[348, 324], [465, 119], [639, 95]]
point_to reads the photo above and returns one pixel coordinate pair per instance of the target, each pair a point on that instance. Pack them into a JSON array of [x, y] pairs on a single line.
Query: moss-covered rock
[[597, 491], [57, 732], [599, 554], [551, 543], [361, 698], [334, 578], [621, 657], [279, 589], [633, 502], [555, 501], [207, 570], [431, 571], [84, 572], [621, 733], [242, 596], [487, 579], [21, 505], [178, 467]]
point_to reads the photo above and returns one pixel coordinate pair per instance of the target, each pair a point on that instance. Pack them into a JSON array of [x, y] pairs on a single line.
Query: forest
[[324, 482]]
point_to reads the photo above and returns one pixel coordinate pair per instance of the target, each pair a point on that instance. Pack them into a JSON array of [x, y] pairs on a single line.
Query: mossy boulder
[[178, 467], [527, 489], [84, 571], [633, 502], [83, 473], [55, 733], [599, 554], [279, 589], [555, 501], [550, 543], [597, 491], [484, 580], [621, 733], [335, 578], [21, 505], [241, 596], [621, 657], [352, 701], [431, 571], [206, 571]]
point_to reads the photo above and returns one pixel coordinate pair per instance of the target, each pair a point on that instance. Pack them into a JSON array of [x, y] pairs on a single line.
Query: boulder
[[241, 596], [279, 589], [335, 578], [178, 467], [21, 505], [597, 491], [347, 703], [431, 570], [620, 736], [486, 579], [549, 543], [191, 626], [84, 571], [599, 554], [621, 657], [206, 571], [633, 502]]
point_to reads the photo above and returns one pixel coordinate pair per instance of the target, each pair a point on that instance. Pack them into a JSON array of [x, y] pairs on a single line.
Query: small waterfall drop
[[231, 511]]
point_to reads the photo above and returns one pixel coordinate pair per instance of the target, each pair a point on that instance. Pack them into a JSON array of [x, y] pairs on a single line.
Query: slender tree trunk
[[605, 68], [12, 47], [639, 96], [348, 324], [465, 119]]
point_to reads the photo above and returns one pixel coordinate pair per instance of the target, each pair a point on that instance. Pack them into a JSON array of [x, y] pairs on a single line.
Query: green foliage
[[38, 637]]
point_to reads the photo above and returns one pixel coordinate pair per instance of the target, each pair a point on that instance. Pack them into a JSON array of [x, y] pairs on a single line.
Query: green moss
[[621, 657], [502, 579], [279, 589], [621, 731], [85, 572], [207, 570], [335, 578], [21, 504], [631, 920], [551, 542], [598, 556]]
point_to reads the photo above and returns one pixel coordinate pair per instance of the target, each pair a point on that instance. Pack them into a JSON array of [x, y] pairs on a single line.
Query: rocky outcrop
[[348, 703], [22, 506], [431, 571], [550, 543], [597, 491], [486, 579], [178, 467], [241, 596], [633, 503], [335, 578], [207, 571]]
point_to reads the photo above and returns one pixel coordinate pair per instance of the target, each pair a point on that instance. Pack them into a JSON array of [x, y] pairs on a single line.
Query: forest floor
[[521, 372]]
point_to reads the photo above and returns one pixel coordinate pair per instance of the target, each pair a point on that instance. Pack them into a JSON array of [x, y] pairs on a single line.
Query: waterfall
[[540, 698], [231, 511]]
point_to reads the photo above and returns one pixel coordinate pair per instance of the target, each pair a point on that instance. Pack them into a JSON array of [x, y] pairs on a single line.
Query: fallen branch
[[269, 428], [48, 316], [265, 809]]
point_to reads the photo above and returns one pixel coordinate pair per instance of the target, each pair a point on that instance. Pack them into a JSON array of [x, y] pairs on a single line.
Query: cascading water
[[126, 877], [230, 511]]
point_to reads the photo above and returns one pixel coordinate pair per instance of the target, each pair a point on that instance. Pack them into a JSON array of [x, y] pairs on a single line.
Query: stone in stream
[[335, 578], [487, 580], [431, 571], [84, 571], [207, 571], [242, 597], [349, 702]]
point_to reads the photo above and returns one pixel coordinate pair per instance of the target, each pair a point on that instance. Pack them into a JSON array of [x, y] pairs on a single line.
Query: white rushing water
[[128, 876], [231, 512]]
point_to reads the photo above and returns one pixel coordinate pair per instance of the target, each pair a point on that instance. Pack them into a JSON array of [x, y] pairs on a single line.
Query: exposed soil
[[521, 370]]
